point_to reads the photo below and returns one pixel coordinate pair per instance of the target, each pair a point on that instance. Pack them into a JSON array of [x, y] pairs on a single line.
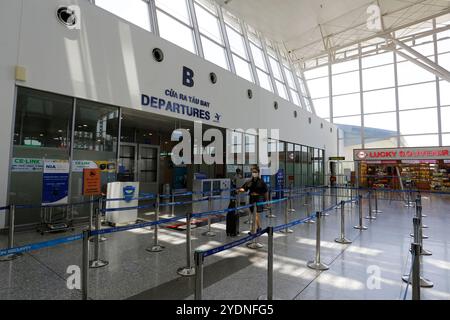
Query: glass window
[[316, 73], [346, 66], [445, 93], [295, 97], [322, 107], [351, 121], [275, 68], [444, 46], [418, 121], [264, 80], [444, 61], [96, 127], [446, 139], [208, 24], [290, 78], [243, 68], [175, 32], [258, 56], [281, 90], [214, 53], [251, 151], [384, 121], [409, 73], [319, 88], [347, 105], [445, 119], [379, 101], [177, 8], [346, 83], [417, 96], [378, 60], [419, 141], [378, 78], [236, 42], [134, 11], [42, 119]]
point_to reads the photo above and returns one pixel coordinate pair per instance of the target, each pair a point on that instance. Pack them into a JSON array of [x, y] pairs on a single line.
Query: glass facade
[[208, 30], [389, 100]]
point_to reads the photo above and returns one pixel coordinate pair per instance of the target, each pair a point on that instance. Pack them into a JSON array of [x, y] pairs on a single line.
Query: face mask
[[255, 175]]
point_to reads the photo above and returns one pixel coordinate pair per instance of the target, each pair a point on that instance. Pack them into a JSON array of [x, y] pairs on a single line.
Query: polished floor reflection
[[369, 268]]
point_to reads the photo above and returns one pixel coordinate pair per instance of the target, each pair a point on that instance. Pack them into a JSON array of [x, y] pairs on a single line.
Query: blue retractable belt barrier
[[135, 226], [4, 208], [233, 244], [40, 245]]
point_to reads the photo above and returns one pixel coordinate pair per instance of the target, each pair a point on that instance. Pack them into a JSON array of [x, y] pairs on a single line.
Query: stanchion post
[[416, 251], [85, 266], [291, 201], [376, 211], [270, 253], [172, 207], [369, 198], [286, 220], [317, 264], [415, 248], [91, 213], [188, 271], [96, 262], [270, 215], [11, 231], [198, 294], [343, 239], [156, 246], [360, 209]]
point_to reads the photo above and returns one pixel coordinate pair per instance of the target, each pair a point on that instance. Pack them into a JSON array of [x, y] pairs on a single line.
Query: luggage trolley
[[56, 219]]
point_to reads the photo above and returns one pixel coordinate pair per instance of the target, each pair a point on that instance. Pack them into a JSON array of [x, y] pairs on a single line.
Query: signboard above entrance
[[431, 153]]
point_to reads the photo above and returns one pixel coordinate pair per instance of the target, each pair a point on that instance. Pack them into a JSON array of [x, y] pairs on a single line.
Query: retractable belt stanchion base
[[287, 231], [343, 241], [424, 283], [96, 264], [317, 266], [360, 227], [157, 248], [186, 272], [371, 218]]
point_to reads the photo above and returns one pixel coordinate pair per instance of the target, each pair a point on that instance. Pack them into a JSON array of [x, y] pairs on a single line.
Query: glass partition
[[42, 132]]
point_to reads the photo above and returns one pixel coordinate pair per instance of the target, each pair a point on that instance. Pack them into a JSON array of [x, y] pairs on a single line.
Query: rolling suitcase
[[232, 220]]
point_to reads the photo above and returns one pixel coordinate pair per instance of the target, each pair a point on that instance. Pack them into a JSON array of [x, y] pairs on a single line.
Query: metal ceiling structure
[[312, 28]]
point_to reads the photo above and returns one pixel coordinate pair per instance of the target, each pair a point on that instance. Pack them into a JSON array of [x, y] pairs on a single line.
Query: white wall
[[110, 61], [10, 13]]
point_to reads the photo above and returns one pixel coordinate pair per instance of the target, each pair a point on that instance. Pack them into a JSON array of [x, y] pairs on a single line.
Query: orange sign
[[91, 182]]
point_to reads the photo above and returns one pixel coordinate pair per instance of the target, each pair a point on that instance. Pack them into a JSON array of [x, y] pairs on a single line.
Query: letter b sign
[[188, 77]]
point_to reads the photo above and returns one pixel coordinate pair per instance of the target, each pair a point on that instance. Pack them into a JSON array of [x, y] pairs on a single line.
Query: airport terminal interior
[[225, 150]]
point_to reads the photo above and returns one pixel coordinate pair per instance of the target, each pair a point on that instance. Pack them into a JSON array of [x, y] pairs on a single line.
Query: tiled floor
[[241, 273]]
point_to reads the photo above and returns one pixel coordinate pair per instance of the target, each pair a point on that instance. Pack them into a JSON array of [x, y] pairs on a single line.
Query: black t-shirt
[[257, 186]]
